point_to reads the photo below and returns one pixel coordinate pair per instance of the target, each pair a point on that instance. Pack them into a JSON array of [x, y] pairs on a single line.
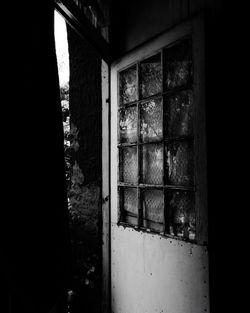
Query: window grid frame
[[165, 187]]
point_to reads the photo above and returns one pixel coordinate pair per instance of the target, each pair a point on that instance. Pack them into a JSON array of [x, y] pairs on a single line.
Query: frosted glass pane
[[128, 164], [150, 76], [128, 85], [179, 114], [128, 125], [152, 160], [178, 64], [180, 163], [153, 205], [151, 120], [182, 214], [130, 200]]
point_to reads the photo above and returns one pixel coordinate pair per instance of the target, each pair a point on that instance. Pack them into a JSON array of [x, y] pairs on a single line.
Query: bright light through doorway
[[62, 53], [62, 49]]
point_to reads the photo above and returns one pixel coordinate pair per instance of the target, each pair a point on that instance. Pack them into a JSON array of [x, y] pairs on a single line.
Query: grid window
[[156, 181]]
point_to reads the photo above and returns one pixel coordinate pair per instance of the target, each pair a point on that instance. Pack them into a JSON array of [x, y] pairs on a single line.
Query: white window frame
[[195, 28]]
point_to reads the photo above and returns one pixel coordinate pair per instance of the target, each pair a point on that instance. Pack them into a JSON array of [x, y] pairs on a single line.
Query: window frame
[[193, 28]]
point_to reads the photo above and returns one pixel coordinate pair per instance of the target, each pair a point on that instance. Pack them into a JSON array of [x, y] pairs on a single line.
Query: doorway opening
[[80, 78]]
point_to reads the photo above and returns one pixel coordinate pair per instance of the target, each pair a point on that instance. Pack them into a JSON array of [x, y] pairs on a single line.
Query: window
[[157, 143]]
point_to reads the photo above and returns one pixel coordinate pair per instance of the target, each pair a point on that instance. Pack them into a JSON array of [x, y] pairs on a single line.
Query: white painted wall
[[151, 273]]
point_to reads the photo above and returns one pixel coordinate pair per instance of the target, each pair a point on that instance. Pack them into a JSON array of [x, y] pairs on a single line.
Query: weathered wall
[[151, 273], [85, 189]]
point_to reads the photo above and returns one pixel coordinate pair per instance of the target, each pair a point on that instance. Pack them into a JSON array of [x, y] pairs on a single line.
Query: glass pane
[[128, 125], [152, 164], [129, 205], [151, 120], [130, 200], [128, 164], [150, 76], [153, 205], [180, 114], [182, 214], [128, 85], [131, 220], [180, 163], [178, 64]]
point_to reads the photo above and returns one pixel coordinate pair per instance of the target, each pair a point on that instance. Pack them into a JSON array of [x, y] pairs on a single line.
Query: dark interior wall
[[34, 214], [134, 22], [137, 21], [224, 198]]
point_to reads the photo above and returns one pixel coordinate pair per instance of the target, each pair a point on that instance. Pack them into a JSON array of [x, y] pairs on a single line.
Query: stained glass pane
[[182, 214], [179, 114], [128, 85], [150, 76], [180, 163], [128, 125], [128, 158], [178, 65], [151, 120], [152, 164]]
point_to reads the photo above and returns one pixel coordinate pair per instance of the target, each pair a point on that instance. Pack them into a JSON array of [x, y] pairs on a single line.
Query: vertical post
[[105, 189], [200, 130], [139, 154]]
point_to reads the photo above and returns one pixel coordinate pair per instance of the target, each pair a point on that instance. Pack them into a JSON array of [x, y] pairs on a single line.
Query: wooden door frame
[[106, 255]]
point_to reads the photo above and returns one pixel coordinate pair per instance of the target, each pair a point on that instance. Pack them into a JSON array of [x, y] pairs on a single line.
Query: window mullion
[[164, 120], [121, 203], [139, 203]]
